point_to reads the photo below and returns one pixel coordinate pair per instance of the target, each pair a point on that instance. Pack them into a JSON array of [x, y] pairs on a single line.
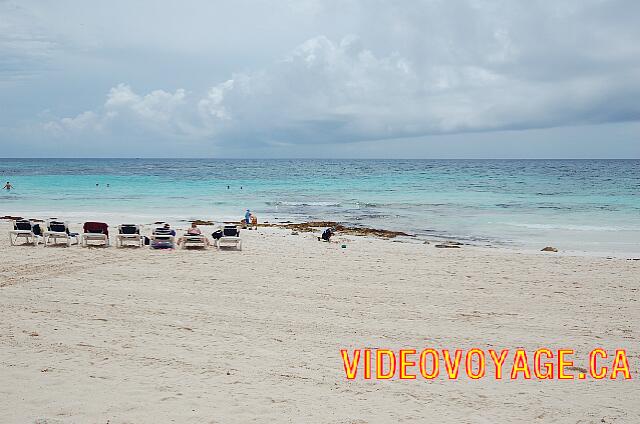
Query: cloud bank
[[384, 70]]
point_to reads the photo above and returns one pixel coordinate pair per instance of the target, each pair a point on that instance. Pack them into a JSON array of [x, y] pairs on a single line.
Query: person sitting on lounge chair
[[163, 238], [193, 231], [168, 228]]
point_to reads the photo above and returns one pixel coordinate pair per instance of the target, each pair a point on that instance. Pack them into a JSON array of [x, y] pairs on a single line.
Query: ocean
[[590, 206]]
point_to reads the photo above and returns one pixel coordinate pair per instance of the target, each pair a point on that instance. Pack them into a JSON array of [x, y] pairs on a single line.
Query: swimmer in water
[[7, 186]]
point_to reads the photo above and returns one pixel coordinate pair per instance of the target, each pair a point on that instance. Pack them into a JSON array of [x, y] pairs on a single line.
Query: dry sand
[[140, 336]]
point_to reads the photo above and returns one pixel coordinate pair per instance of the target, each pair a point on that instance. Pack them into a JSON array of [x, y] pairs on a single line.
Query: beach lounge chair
[[129, 233], [59, 230], [95, 232], [194, 240], [230, 237], [162, 238], [24, 228]]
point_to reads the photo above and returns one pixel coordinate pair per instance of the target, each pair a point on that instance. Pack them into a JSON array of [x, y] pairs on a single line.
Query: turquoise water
[[582, 205]]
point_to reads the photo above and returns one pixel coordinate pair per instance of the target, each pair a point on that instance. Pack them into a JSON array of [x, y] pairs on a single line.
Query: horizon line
[[300, 158]]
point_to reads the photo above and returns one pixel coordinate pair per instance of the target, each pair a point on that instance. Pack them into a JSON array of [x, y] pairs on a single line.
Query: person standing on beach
[[247, 217], [7, 186]]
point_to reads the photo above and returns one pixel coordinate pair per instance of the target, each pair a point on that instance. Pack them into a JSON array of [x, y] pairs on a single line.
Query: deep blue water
[[588, 205]]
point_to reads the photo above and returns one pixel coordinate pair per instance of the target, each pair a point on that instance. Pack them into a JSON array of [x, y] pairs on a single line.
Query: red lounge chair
[[95, 231]]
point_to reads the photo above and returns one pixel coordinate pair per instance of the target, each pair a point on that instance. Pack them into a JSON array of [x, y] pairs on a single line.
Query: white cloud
[[159, 112], [86, 121], [212, 106], [415, 68]]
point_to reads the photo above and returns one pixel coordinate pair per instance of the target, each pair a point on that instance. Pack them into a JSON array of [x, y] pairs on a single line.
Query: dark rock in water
[[549, 249], [426, 242], [158, 222], [449, 244], [453, 243], [339, 228], [12, 218], [202, 222]]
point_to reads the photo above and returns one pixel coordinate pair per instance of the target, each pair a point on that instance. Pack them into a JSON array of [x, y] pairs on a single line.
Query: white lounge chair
[[23, 229], [95, 232], [59, 230], [162, 238], [129, 233], [194, 240], [230, 238]]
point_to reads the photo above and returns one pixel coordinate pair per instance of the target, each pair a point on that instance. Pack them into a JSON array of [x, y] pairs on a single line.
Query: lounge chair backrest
[[96, 228], [58, 227], [230, 231], [129, 229], [22, 225]]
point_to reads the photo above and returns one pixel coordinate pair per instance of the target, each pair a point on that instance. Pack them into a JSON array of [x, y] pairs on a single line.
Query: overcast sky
[[312, 78]]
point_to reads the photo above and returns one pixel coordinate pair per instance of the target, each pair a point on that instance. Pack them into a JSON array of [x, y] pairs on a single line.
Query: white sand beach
[[140, 336]]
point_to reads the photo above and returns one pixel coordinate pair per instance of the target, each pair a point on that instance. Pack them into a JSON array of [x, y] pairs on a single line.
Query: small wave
[[570, 227], [326, 204]]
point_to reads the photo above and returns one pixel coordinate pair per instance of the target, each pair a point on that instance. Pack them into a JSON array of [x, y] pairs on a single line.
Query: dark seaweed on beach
[[340, 228]]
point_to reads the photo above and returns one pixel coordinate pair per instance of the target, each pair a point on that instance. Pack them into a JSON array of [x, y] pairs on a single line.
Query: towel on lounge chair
[[95, 231], [96, 228]]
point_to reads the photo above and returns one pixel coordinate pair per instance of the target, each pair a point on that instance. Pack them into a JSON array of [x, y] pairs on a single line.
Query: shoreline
[[97, 334], [361, 231]]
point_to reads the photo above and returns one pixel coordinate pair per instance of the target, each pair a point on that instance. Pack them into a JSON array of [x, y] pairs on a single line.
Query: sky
[[320, 78]]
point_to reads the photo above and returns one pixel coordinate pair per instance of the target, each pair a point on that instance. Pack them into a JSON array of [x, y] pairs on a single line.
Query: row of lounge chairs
[[97, 234]]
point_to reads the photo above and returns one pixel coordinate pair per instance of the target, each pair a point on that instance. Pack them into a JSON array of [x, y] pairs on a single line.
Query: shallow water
[[583, 205]]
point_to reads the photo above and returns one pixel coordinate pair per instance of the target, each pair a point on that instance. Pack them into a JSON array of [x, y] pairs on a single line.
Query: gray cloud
[[24, 48], [352, 71]]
